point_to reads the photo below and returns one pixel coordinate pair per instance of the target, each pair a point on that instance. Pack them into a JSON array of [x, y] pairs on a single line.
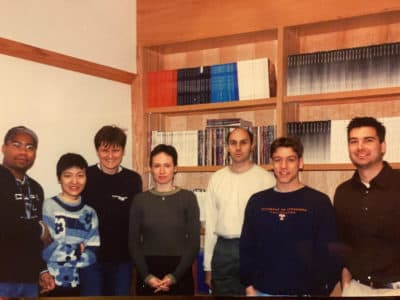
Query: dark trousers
[[106, 279], [225, 278]]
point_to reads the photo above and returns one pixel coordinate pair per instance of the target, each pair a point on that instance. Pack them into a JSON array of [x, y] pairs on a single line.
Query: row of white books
[[253, 79], [184, 141], [201, 195]]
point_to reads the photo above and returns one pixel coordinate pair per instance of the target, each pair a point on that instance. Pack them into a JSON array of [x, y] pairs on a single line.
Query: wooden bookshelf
[[258, 104], [180, 38], [307, 167]]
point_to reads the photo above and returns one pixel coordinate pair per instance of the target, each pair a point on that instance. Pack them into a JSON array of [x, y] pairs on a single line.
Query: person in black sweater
[[110, 189], [164, 231], [21, 200]]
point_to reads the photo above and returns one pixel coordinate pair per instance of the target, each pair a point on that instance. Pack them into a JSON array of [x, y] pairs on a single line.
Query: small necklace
[[163, 194]]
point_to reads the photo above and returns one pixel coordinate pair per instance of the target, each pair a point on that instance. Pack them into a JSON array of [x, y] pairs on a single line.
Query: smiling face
[[110, 157], [286, 165], [72, 181], [365, 149], [19, 154]]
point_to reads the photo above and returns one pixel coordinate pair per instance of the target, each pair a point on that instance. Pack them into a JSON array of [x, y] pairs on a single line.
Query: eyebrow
[[17, 141], [364, 137], [290, 156]]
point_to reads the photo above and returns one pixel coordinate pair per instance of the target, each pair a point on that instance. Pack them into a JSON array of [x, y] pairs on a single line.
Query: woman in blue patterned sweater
[[73, 227]]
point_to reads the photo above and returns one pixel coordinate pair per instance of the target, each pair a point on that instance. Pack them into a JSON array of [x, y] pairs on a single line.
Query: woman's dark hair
[[70, 160], [167, 149]]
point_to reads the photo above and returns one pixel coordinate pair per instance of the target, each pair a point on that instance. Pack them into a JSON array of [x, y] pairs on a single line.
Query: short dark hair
[[110, 135], [288, 142], [70, 160], [167, 149], [12, 132], [251, 136], [367, 122]]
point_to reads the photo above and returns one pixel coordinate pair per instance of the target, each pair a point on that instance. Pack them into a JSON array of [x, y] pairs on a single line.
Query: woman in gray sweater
[[164, 230]]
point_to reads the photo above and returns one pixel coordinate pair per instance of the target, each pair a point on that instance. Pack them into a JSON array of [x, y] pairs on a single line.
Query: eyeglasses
[[20, 146]]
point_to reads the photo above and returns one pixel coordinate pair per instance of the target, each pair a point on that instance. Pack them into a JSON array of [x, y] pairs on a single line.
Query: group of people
[[70, 242], [266, 233], [83, 241], [277, 236]]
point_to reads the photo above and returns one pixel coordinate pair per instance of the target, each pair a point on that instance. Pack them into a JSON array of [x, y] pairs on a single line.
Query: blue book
[[217, 83], [232, 82], [223, 83]]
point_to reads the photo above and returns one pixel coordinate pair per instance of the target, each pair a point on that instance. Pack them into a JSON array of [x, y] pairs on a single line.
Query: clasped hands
[[160, 284]]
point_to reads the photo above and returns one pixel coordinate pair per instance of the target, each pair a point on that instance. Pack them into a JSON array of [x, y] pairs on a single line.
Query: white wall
[[65, 109], [101, 31]]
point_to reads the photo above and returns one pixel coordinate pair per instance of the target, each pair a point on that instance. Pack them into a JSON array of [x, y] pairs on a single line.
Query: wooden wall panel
[[218, 50], [343, 111], [163, 22], [325, 181], [198, 121], [355, 32]]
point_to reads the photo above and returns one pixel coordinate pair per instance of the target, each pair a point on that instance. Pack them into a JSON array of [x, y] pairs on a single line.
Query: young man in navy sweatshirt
[[289, 233]]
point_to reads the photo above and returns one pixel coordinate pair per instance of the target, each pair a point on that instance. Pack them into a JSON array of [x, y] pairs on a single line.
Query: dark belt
[[379, 284]]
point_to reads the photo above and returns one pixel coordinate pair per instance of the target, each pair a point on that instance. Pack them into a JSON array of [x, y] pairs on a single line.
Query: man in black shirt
[[21, 232], [367, 208]]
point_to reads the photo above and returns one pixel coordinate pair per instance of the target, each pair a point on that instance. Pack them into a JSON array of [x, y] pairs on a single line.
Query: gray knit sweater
[[164, 224]]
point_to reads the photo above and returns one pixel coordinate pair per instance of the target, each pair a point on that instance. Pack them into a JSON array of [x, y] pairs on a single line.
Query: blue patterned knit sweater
[[70, 226]]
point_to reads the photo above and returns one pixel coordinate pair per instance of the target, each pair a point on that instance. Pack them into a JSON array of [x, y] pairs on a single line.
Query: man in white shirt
[[228, 191]]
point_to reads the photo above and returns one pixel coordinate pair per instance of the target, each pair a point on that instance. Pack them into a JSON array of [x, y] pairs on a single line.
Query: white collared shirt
[[225, 202]]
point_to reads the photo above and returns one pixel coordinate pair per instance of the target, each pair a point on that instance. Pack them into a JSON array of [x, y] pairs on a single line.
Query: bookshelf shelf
[[196, 169], [203, 169], [307, 167], [328, 167], [338, 167], [207, 107]]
